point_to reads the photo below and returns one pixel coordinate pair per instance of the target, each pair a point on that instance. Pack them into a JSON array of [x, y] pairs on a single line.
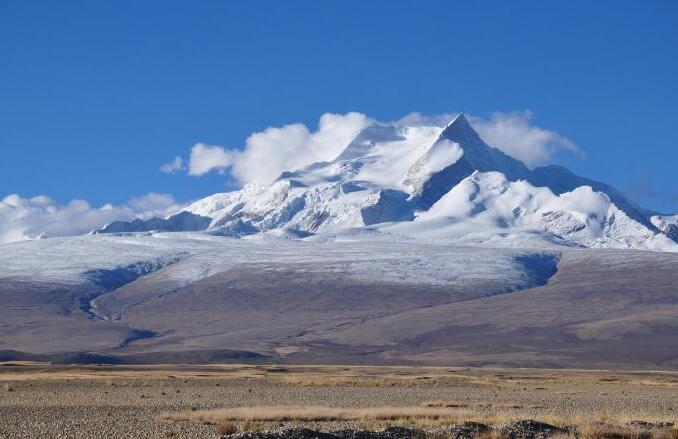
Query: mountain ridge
[[392, 173]]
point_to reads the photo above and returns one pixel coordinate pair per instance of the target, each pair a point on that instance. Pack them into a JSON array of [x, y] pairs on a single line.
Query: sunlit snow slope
[[428, 182]]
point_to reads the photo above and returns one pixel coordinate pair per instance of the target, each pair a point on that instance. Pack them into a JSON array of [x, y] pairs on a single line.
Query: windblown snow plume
[[514, 134]]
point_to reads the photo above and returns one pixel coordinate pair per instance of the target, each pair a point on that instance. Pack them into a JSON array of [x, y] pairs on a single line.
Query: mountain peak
[[460, 131], [458, 119]]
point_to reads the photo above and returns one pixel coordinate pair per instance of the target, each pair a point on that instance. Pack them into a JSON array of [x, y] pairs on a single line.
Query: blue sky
[[96, 96]]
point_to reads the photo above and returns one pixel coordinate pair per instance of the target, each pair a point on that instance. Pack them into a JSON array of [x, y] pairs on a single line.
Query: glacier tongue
[[427, 182]]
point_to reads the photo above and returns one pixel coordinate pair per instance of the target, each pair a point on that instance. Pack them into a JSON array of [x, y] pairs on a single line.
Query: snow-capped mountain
[[427, 182], [404, 247]]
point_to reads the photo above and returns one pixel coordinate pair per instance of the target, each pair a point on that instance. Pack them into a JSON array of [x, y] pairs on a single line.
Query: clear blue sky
[[95, 96]]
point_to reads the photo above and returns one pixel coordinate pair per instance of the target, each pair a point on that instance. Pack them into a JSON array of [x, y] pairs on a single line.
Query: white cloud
[[40, 216], [277, 149], [153, 204], [175, 165], [511, 132], [514, 134], [205, 158]]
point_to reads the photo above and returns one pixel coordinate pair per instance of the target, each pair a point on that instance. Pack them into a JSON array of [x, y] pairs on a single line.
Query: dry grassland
[[198, 401]]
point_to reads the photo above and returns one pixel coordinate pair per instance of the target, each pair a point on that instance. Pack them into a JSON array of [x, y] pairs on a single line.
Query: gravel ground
[[60, 402]]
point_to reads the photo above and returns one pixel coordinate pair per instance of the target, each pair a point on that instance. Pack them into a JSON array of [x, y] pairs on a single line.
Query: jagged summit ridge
[[460, 131], [397, 179]]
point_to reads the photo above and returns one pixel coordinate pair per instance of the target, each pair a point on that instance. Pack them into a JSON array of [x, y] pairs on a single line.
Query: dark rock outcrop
[[469, 430], [649, 425], [305, 433], [530, 429]]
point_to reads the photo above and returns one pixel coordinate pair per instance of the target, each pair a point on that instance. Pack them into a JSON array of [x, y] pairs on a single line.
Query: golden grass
[[353, 376], [597, 431], [367, 418], [592, 426], [316, 380], [426, 418], [312, 414], [480, 404], [670, 383]]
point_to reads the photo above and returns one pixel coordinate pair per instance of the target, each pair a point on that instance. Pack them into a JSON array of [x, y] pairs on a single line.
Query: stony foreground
[[134, 402], [527, 429]]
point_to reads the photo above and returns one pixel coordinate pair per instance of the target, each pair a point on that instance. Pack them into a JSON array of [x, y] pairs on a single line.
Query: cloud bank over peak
[[268, 153], [40, 216], [276, 149], [205, 158], [515, 134]]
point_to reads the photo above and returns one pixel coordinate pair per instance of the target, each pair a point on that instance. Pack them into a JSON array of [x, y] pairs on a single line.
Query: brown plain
[[197, 401]]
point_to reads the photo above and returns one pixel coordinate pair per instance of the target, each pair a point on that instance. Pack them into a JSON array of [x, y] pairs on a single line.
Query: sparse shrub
[[249, 426], [226, 428]]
